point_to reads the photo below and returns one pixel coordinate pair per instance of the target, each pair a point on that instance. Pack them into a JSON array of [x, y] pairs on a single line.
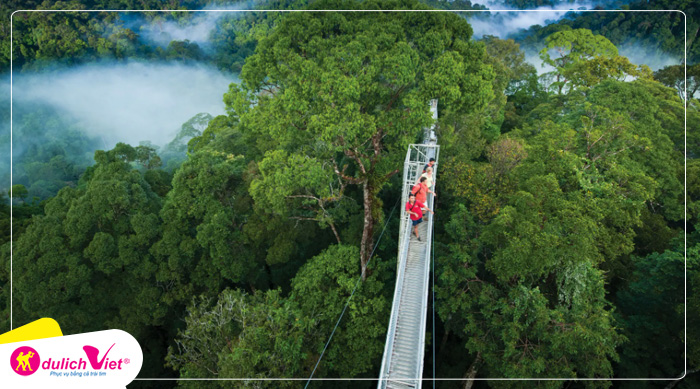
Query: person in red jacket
[[421, 191], [415, 209]]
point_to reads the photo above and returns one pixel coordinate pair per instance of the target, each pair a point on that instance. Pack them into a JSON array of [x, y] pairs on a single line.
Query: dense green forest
[[563, 238], [661, 33]]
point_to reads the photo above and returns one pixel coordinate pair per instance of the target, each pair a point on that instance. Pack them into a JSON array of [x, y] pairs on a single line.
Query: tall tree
[[240, 335], [351, 90], [580, 58], [651, 313], [558, 202], [86, 262], [267, 335], [675, 76], [322, 287], [202, 245]]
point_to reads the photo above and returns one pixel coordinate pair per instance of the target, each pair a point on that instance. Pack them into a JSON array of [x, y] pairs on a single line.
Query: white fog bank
[[129, 102]]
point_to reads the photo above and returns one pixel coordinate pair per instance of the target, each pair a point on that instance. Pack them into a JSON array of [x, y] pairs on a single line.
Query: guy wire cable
[[353, 292]]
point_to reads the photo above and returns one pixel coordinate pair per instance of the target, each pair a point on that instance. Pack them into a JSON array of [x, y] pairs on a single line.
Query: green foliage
[[301, 188], [460, 137], [511, 70], [522, 281], [184, 51], [346, 69], [693, 188], [190, 129], [231, 338], [660, 33], [654, 114], [53, 151], [174, 153], [550, 201], [529, 4], [523, 312], [18, 191], [342, 94], [529, 339], [90, 243], [235, 39], [42, 39], [159, 180], [452, 4], [653, 235], [583, 59], [693, 317], [202, 243], [221, 133], [675, 76], [509, 64], [651, 311], [469, 185], [321, 288], [542, 230], [22, 213], [4, 218], [591, 151], [459, 265]]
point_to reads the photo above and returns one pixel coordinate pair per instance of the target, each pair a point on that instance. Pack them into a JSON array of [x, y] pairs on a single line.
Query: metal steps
[[406, 350], [402, 364]]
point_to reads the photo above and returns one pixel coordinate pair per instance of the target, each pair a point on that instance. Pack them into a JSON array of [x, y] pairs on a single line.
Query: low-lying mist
[[652, 57], [636, 53], [507, 20], [129, 102], [61, 117], [197, 29]]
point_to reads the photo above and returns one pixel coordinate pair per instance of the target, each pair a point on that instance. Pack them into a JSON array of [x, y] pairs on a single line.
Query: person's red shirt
[[416, 207], [421, 192]]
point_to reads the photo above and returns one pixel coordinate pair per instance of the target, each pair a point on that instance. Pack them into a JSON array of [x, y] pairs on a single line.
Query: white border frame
[[685, 194]]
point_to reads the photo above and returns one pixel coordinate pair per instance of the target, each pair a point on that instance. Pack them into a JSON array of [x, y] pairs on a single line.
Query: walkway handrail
[[386, 360], [429, 242], [417, 156]]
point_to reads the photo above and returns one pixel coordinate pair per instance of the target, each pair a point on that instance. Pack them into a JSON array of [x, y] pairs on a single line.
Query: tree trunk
[[560, 85], [441, 352], [368, 229], [471, 372], [335, 232], [691, 40], [268, 270]]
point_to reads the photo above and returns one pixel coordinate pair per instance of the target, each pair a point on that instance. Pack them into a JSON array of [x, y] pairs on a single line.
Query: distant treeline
[[43, 39], [663, 32], [49, 38]]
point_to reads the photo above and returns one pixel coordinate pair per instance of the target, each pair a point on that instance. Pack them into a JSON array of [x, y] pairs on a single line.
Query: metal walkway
[[402, 364]]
